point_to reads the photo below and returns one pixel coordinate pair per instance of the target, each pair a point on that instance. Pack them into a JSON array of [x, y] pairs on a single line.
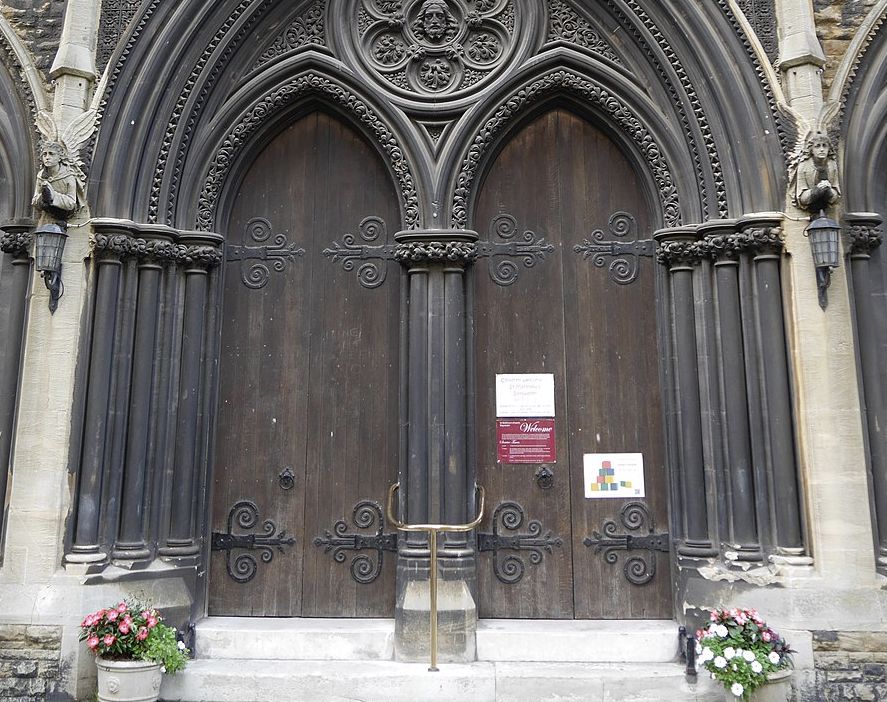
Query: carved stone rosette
[[428, 48]]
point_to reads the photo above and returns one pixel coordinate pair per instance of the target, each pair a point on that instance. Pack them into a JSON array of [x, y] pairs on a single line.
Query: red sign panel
[[525, 441]]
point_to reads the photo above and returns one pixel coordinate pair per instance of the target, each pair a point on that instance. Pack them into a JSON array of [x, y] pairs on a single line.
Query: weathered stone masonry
[[850, 665], [836, 25], [39, 24], [29, 662]]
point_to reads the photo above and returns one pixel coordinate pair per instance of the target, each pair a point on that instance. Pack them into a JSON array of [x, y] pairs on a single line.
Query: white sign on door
[[524, 394]]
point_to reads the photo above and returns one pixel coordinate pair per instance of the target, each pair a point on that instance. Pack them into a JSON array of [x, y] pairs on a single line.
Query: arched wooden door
[[306, 431], [593, 327]]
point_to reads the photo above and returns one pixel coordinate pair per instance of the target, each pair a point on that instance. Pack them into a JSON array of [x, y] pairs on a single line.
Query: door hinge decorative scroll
[[625, 264], [245, 514], [527, 247], [372, 273], [257, 275], [639, 569], [510, 516], [364, 567]]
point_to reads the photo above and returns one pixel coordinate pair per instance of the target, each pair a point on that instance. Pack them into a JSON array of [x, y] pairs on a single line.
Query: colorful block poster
[[614, 475], [524, 395]]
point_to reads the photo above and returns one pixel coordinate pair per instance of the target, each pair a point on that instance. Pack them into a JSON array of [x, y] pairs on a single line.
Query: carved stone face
[[434, 19], [819, 149], [50, 158]]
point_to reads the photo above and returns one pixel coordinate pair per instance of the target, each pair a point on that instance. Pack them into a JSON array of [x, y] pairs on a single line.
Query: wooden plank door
[[306, 426], [596, 333]]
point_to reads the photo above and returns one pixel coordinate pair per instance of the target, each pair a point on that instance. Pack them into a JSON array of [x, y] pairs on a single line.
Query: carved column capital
[[678, 247], [122, 239], [863, 232], [15, 239], [717, 238], [761, 234], [449, 246]]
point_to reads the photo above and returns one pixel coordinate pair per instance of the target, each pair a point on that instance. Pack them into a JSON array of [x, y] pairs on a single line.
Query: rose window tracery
[[435, 47]]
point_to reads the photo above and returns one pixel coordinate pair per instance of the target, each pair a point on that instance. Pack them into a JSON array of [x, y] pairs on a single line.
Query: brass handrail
[[433, 530]]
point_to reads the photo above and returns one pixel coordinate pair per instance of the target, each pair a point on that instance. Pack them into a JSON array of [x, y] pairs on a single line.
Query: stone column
[[437, 483], [871, 327], [680, 252]]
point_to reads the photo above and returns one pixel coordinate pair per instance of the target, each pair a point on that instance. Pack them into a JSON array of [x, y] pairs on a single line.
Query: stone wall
[[29, 662], [836, 25], [851, 666], [39, 24]]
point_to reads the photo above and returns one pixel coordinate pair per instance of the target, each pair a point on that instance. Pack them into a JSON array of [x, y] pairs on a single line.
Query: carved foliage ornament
[[754, 240], [564, 24], [279, 99], [15, 243], [592, 93], [304, 31], [126, 246], [863, 239], [435, 47]]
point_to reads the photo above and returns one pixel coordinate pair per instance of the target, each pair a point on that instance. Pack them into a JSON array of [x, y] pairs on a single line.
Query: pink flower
[[112, 615], [92, 642], [121, 607], [124, 627], [766, 636], [152, 621], [143, 634], [109, 639]]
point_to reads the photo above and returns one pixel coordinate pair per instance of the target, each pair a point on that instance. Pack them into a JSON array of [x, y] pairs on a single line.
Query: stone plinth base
[[456, 623]]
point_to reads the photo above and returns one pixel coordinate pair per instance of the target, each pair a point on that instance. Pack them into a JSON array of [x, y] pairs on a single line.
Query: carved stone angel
[[816, 185], [60, 191]]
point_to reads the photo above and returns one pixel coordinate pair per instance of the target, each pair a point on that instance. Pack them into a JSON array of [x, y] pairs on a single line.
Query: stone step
[[636, 641], [387, 681]]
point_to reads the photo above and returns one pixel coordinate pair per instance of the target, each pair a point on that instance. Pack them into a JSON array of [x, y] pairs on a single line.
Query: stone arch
[[177, 117], [21, 96]]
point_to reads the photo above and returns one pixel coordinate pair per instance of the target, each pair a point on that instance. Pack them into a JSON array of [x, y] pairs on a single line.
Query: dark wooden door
[[563, 179], [307, 406]]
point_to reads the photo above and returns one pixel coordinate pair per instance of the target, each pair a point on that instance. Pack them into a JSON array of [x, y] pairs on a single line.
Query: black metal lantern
[[825, 237], [49, 244]]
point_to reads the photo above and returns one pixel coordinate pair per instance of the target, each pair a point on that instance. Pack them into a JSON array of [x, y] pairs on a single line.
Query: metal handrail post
[[433, 530]]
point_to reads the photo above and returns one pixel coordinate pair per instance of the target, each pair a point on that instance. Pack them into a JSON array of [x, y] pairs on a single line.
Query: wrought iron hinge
[[365, 515], [246, 515], [625, 254], [510, 516], [257, 275], [372, 273], [638, 569], [527, 247]]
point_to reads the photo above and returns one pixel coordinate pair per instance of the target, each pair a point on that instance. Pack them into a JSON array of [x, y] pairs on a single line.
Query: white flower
[[757, 667], [706, 655], [163, 669], [774, 657], [748, 655], [720, 662], [181, 645], [729, 652], [737, 689], [722, 631]]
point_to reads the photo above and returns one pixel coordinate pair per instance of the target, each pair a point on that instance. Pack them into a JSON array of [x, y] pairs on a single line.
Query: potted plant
[[751, 660], [133, 649]]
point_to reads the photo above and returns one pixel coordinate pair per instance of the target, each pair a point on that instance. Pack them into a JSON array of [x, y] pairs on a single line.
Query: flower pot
[[778, 688], [128, 681]]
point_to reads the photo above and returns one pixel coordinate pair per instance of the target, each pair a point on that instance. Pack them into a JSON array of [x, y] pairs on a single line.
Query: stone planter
[[128, 681], [777, 689]]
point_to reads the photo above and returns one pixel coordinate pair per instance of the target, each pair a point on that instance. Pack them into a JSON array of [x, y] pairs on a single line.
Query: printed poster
[[613, 475]]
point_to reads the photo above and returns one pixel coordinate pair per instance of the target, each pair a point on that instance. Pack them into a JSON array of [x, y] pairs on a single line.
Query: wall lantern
[[48, 247], [824, 236]]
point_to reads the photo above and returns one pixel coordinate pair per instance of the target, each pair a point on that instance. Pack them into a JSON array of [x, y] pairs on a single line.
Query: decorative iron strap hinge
[[638, 569], [257, 275], [510, 516], [365, 515], [246, 515], [625, 254], [527, 247], [372, 273]]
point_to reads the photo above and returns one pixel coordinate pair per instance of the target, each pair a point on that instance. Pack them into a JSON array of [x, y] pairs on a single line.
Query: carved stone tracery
[[116, 16], [306, 30], [565, 24], [435, 47]]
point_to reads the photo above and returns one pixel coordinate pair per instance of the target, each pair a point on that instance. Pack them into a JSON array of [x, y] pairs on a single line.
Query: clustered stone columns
[[868, 287], [15, 267], [436, 478], [140, 462], [736, 495]]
